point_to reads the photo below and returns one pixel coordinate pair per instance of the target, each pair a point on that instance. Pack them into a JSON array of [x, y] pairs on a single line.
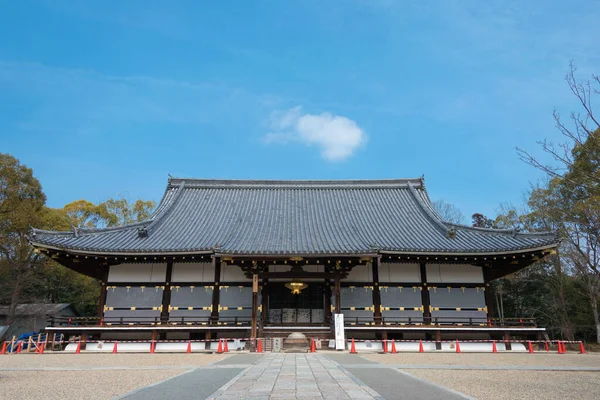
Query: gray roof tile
[[294, 217]]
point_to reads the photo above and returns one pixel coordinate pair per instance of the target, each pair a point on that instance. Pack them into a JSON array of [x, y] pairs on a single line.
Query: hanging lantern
[[296, 286]]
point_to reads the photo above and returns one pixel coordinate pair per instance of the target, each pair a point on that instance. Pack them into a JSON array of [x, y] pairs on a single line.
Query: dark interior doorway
[[308, 307]]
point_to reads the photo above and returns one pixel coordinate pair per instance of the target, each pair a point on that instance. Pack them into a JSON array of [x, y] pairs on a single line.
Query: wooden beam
[[214, 315], [336, 293], [293, 275], [425, 300], [264, 294], [166, 298], [327, 300], [489, 295], [376, 292], [253, 330], [102, 299]]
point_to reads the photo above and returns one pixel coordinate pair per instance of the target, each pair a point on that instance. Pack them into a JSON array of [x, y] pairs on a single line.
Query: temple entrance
[[308, 307]]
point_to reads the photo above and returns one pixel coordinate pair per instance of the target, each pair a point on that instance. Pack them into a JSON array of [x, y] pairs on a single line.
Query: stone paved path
[[295, 376]]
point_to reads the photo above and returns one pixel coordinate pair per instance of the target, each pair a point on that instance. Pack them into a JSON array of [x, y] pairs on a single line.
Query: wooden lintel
[[294, 275]]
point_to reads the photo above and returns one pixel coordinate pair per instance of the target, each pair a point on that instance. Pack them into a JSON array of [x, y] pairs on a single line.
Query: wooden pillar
[[264, 294], [336, 293], [425, 295], [507, 340], [376, 292], [327, 301], [166, 298], [489, 294], [102, 300], [253, 330], [214, 314], [438, 340]]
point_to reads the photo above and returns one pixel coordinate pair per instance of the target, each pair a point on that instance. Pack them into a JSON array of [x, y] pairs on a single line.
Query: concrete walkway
[[295, 376]]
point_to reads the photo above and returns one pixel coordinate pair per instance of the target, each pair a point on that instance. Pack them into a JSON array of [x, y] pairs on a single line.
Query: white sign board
[[340, 340]]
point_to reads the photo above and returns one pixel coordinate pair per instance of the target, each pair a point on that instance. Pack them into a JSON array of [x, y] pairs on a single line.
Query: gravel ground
[[501, 385], [105, 360], [87, 383], [76, 385], [499, 359]]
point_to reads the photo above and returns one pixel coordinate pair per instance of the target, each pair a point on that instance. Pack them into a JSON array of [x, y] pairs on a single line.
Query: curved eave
[[473, 254], [216, 252]]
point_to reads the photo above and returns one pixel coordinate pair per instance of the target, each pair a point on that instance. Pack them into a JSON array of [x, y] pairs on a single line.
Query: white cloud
[[337, 137]]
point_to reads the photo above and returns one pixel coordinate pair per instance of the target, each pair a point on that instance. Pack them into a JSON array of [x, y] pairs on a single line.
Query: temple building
[[251, 258]]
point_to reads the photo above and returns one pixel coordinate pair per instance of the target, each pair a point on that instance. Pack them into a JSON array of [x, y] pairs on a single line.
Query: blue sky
[[104, 99]]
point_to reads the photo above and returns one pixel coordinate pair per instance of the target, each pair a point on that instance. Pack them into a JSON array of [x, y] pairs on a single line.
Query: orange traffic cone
[[189, 347], [42, 348], [457, 346], [494, 348], [384, 346], [313, 348], [581, 348], [546, 347], [20, 347], [393, 347], [220, 348], [561, 347], [78, 349], [352, 347], [259, 346], [115, 348], [421, 346], [3, 351], [225, 346], [529, 346], [152, 347]]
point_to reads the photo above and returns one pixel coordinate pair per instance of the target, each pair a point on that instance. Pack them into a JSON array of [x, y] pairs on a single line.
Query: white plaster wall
[[137, 273], [232, 273], [399, 272], [193, 272], [360, 273], [454, 273]]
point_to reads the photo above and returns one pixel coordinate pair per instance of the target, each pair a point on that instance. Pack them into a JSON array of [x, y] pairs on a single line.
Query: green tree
[[26, 276], [109, 213], [21, 202], [570, 200]]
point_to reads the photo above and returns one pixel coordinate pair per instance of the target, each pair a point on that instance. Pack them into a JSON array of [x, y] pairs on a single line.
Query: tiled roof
[[36, 309], [294, 217]]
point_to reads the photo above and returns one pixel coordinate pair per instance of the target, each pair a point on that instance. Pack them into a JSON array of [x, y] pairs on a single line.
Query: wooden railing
[[247, 321], [149, 321], [441, 321]]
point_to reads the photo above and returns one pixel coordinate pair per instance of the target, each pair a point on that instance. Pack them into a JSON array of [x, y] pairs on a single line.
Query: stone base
[[296, 343]]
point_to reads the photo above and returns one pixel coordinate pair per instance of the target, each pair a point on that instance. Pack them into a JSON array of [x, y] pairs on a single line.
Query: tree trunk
[[21, 271], [561, 303], [593, 297], [16, 295], [594, 304]]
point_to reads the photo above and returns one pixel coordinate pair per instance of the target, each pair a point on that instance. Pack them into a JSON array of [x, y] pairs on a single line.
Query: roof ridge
[[196, 182]]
